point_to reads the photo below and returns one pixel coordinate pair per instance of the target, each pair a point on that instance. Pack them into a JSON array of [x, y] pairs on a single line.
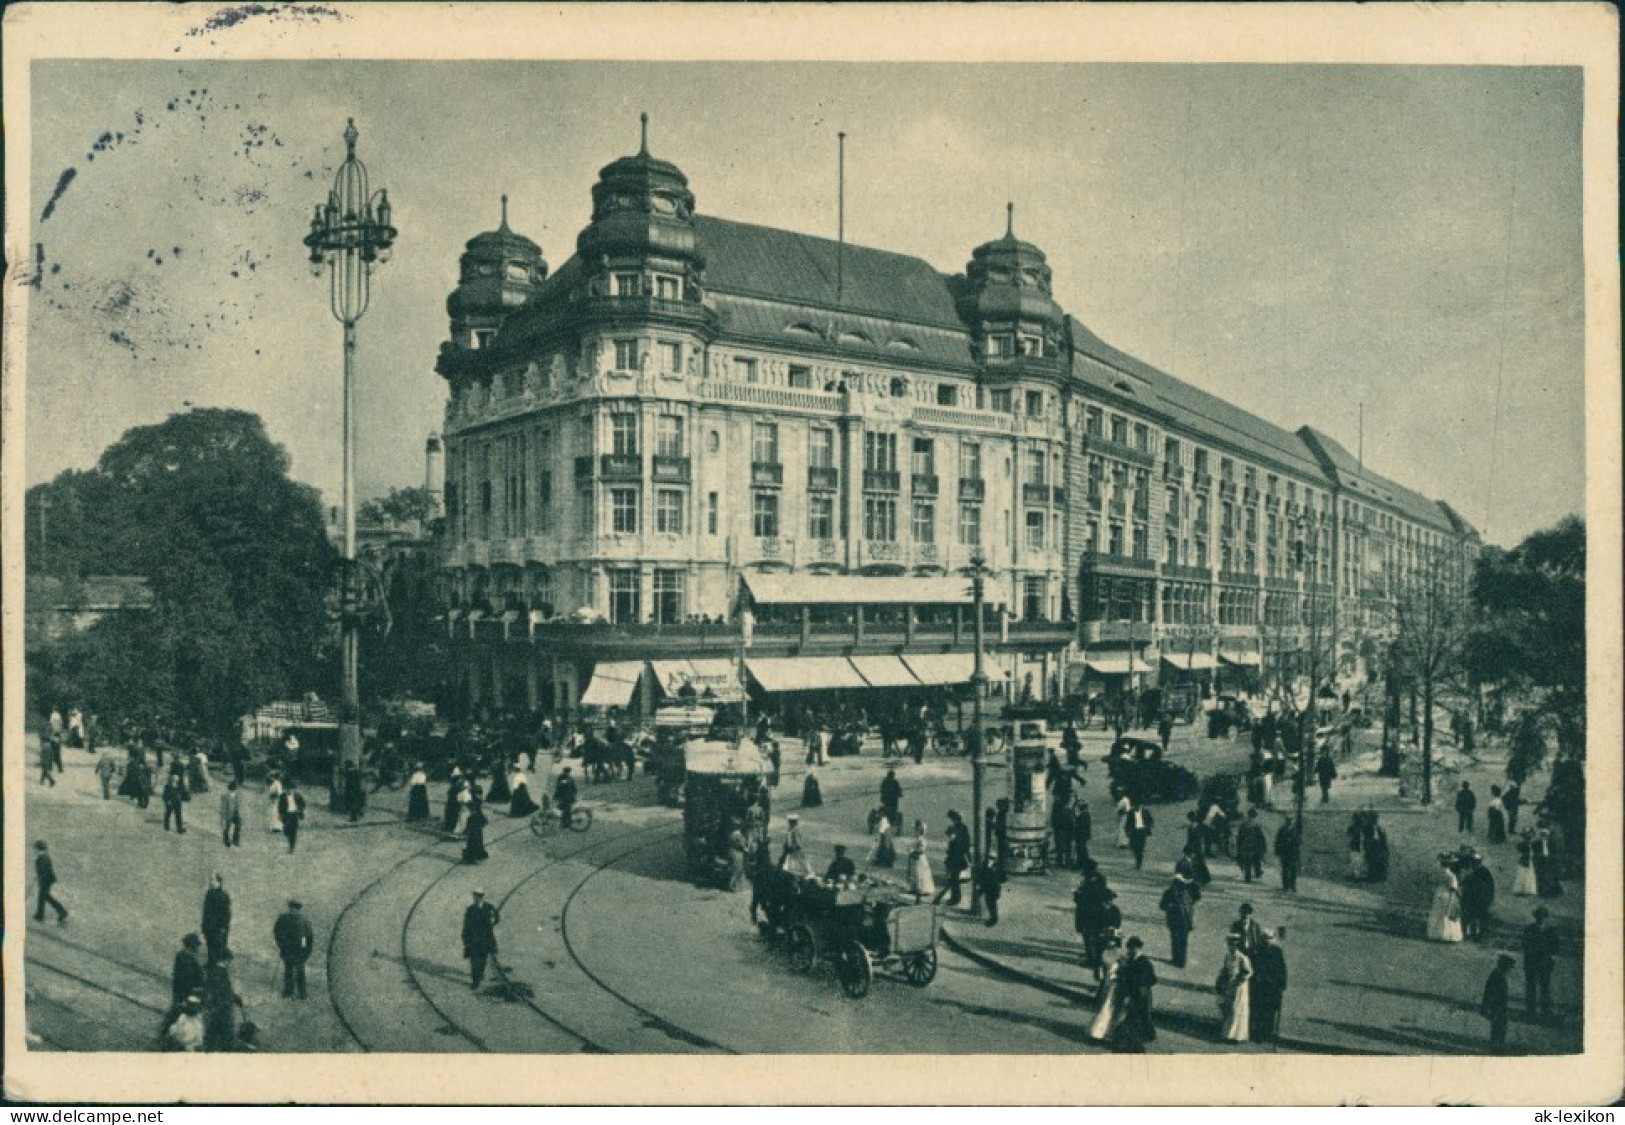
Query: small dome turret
[[497, 273], [1009, 283], [642, 219]]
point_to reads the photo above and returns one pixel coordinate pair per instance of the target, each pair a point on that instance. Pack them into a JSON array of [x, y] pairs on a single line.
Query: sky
[[1297, 239]]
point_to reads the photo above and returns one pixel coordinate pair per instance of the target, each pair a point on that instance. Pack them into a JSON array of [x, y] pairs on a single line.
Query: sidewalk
[[1363, 978]]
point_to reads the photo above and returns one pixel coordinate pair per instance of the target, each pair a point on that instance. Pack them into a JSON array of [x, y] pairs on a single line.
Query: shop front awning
[[884, 671], [1116, 665], [1242, 659], [942, 669], [613, 683], [718, 677], [1194, 661], [805, 673]]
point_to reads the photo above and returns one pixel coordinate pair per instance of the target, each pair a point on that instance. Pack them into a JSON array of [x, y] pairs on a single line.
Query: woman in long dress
[[454, 809], [1110, 1010], [273, 794], [1235, 992], [1444, 919], [919, 865], [1524, 882], [1124, 807], [197, 772], [474, 842], [417, 796], [1496, 817], [884, 853], [519, 799]]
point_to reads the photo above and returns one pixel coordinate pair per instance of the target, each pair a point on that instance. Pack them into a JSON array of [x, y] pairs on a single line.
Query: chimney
[[434, 474]]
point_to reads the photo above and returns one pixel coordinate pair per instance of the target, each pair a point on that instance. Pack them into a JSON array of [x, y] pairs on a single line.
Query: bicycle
[[547, 821]]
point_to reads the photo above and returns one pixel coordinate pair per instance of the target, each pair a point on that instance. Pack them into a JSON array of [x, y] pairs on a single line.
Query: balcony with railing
[[672, 469], [1035, 494], [881, 480], [1172, 472], [972, 490], [824, 551], [823, 478], [772, 548], [881, 552], [1176, 573], [923, 484], [1227, 490], [1117, 508], [1272, 502], [766, 473], [1104, 560], [1122, 632], [620, 466], [1142, 509], [1103, 446], [1249, 495], [630, 306]]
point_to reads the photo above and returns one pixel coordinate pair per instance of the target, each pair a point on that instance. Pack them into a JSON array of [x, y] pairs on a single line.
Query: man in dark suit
[[479, 936], [45, 878], [1539, 959], [1250, 847], [217, 919], [841, 867], [294, 944], [1139, 831], [1494, 1005], [1268, 988], [958, 859], [1178, 905], [1246, 928], [1466, 802], [1289, 850], [291, 810]]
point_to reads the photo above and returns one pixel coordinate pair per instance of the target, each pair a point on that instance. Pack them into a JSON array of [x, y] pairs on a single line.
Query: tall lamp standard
[[349, 235], [978, 746]]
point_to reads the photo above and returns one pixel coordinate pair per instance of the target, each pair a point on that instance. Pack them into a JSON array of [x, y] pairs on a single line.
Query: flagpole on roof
[[840, 215]]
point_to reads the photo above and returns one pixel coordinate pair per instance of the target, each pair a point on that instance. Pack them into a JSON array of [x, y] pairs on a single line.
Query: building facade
[[688, 401]]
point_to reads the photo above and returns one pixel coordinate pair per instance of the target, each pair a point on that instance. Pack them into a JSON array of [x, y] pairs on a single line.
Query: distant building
[[692, 416]]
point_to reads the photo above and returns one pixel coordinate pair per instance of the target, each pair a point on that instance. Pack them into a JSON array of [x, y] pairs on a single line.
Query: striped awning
[[1195, 661], [805, 673], [613, 684], [1116, 665], [884, 671]]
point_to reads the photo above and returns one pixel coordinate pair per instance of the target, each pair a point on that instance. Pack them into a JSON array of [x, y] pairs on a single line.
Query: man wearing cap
[[1268, 987], [479, 936], [1494, 1005], [958, 859], [294, 943], [1539, 958], [185, 978], [564, 796]]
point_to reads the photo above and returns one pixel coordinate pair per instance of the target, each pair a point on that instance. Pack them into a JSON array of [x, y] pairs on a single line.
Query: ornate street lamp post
[[349, 235], [978, 744]]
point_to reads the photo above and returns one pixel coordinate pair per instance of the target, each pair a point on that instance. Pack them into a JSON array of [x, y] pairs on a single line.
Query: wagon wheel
[[803, 949], [920, 969], [855, 969]]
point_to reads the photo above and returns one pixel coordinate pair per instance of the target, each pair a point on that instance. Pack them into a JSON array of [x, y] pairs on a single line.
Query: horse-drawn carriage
[[859, 927]]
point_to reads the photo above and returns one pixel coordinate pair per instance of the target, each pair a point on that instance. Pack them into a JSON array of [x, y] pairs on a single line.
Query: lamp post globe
[[351, 233]]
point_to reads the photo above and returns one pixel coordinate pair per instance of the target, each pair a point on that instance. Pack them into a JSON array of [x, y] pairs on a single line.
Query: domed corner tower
[[1007, 303], [641, 241], [498, 272]]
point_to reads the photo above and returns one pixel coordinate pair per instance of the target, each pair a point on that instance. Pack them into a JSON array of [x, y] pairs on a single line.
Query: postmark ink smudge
[[61, 186]]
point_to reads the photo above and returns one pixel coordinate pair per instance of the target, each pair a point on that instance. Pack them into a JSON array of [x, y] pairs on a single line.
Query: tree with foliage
[[1431, 619], [401, 506], [1529, 649], [236, 555]]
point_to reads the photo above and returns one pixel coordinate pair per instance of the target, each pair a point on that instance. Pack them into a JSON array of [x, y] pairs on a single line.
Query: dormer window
[[628, 284], [667, 287], [899, 388], [518, 271], [1000, 346], [1031, 345], [481, 338]]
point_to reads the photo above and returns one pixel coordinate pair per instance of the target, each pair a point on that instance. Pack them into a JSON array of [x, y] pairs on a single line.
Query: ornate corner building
[[693, 416]]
